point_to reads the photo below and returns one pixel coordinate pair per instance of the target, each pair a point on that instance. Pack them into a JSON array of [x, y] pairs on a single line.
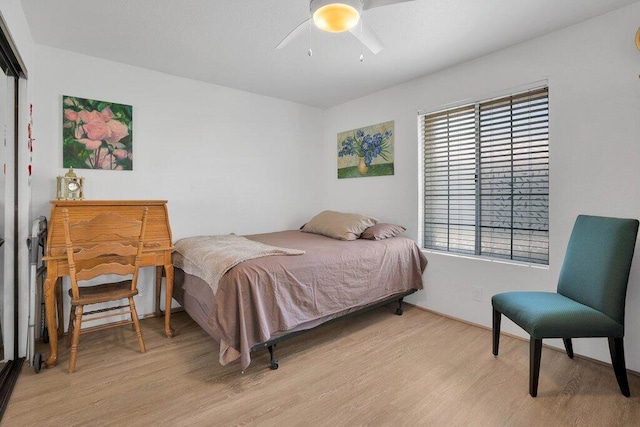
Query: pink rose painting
[[96, 134]]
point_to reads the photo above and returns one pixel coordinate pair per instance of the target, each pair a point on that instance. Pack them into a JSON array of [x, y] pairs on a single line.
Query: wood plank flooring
[[373, 369]]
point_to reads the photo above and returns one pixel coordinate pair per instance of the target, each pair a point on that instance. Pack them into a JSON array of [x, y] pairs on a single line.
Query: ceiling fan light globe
[[336, 17]]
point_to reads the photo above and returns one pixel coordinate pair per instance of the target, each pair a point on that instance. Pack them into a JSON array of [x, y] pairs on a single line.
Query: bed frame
[[256, 333], [271, 344]]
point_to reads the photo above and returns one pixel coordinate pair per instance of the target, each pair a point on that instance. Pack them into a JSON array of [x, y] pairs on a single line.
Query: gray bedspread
[[263, 298]]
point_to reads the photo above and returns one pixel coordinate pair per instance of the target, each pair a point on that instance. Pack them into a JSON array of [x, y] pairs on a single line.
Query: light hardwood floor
[[373, 369]]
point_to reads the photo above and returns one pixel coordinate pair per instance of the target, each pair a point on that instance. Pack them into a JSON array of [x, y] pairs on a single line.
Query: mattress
[[264, 298]]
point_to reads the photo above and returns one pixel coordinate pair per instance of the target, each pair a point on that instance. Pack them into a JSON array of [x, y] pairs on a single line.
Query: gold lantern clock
[[70, 186]]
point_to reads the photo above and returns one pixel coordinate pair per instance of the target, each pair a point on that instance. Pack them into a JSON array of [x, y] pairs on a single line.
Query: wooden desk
[[157, 252]]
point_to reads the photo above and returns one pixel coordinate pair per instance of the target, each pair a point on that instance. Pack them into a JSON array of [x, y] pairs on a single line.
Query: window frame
[[533, 258]]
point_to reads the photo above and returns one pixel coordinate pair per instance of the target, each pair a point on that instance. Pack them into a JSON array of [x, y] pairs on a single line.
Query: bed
[[260, 302]]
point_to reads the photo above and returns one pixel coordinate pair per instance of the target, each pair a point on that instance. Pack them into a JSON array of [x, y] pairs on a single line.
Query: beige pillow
[[382, 230], [338, 225]]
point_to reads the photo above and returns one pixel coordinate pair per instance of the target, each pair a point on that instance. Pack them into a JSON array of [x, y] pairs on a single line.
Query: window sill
[[487, 259]]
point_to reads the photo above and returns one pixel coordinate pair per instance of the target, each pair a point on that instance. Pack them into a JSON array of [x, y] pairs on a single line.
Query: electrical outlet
[[476, 293]]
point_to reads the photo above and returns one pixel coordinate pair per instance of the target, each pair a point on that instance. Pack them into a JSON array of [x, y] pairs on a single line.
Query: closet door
[[13, 71], [5, 108]]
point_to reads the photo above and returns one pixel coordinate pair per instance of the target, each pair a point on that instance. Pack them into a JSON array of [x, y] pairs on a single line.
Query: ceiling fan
[[336, 16]]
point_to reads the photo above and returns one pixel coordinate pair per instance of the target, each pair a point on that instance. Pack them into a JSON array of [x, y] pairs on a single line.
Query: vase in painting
[[362, 167]]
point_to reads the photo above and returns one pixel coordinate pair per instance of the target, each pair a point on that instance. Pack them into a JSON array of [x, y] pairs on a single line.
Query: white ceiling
[[231, 42]]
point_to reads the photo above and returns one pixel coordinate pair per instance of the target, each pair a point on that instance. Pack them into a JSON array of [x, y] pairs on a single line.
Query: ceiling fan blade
[[370, 4], [294, 33], [367, 36]]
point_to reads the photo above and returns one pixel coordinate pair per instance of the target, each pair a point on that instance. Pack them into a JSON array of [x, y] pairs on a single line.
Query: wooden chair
[[590, 298], [106, 244]]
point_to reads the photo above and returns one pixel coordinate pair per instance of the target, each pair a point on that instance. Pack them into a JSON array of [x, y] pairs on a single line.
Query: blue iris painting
[[366, 151]]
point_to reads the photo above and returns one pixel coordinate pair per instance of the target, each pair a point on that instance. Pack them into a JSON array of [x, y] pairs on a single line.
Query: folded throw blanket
[[209, 257]]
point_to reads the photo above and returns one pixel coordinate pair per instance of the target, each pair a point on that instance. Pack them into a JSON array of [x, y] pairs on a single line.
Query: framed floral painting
[[96, 134], [366, 151]]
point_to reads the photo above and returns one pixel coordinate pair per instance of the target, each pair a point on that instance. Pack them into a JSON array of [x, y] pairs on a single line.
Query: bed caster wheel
[[399, 311], [273, 365], [37, 362]]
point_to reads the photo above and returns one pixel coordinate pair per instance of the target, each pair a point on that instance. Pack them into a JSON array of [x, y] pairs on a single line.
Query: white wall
[[226, 160], [592, 71]]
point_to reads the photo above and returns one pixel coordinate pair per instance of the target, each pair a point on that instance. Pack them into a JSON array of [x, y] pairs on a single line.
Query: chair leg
[[616, 348], [72, 314], [136, 323], [76, 339], [497, 317], [535, 349], [568, 346]]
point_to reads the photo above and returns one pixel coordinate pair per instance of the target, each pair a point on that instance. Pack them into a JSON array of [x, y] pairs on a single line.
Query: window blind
[[486, 178], [449, 180]]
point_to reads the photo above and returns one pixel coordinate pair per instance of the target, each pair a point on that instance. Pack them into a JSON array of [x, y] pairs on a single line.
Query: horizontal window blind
[[486, 178], [449, 180]]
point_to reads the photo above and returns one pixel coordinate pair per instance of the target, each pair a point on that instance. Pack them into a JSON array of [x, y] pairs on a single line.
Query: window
[[486, 178]]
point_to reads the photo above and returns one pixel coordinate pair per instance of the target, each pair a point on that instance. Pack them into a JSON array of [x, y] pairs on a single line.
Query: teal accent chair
[[590, 297]]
